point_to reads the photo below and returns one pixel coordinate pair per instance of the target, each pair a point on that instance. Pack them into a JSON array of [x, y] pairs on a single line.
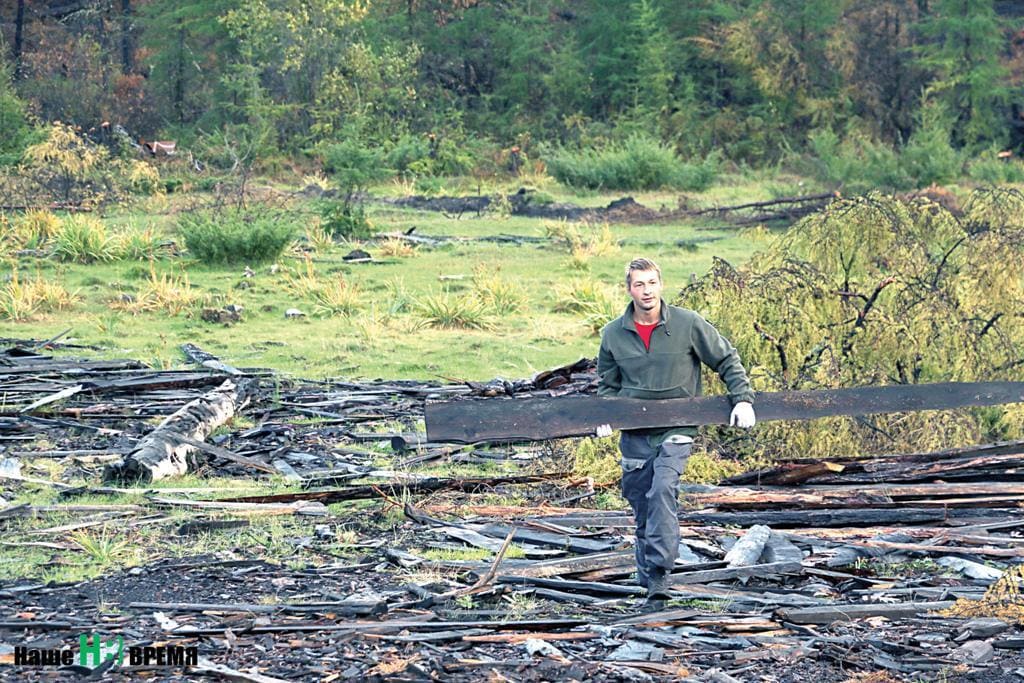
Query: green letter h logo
[[92, 655]]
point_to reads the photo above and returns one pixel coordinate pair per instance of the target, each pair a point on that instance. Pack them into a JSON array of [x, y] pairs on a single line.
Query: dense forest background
[[912, 89]]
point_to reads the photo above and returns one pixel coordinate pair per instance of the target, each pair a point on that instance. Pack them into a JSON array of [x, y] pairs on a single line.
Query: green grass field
[[521, 290]]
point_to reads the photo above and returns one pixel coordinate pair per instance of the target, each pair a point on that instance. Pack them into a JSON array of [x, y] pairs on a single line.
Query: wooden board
[[538, 419]]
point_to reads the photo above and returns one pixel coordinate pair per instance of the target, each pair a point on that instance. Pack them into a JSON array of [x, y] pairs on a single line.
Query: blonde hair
[[641, 264]]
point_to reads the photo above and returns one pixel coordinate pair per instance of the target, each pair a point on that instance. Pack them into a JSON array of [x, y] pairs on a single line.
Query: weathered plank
[[728, 573], [546, 418], [828, 614]]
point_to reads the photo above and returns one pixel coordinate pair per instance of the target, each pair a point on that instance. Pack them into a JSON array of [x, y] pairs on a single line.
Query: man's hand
[[742, 415], [604, 430]]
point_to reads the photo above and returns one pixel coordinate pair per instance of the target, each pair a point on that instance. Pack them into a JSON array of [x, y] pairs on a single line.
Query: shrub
[[875, 290], [928, 157], [345, 219], [857, 163], [17, 133], [990, 169], [69, 166], [638, 163], [698, 176], [408, 150], [860, 164], [143, 178], [236, 235], [84, 239], [354, 165], [444, 154], [429, 185]]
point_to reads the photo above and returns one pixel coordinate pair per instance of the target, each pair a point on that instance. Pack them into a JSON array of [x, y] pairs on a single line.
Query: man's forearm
[[735, 378]]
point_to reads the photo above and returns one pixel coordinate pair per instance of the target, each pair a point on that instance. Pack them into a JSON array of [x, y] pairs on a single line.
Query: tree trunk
[[19, 26], [126, 37], [162, 453]]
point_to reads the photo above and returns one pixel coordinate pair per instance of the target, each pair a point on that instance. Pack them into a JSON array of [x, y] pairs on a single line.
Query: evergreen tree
[[966, 38], [13, 119], [189, 48]]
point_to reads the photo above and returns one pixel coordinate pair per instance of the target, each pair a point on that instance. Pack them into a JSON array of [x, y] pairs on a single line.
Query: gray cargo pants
[[650, 482]]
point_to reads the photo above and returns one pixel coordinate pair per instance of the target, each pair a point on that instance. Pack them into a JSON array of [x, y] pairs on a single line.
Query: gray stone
[[974, 652], [984, 627]]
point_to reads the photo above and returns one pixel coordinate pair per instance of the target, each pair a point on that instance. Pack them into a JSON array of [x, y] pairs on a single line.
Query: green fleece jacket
[[671, 367]]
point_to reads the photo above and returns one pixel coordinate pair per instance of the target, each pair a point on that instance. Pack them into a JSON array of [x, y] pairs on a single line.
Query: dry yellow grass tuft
[[395, 247], [22, 299]]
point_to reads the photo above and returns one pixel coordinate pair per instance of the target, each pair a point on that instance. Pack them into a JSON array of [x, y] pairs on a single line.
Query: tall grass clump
[[163, 292], [596, 304], [583, 241], [395, 247], [236, 235], [447, 311], [85, 239], [140, 245], [36, 227], [637, 163], [337, 296], [331, 296], [501, 296], [21, 299], [318, 239]]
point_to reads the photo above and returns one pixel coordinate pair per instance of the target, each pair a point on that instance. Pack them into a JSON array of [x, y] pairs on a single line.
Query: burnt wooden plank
[[845, 517], [546, 418], [768, 570], [827, 614]]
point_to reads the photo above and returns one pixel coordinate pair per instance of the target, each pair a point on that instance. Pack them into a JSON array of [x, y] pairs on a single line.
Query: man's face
[[645, 288]]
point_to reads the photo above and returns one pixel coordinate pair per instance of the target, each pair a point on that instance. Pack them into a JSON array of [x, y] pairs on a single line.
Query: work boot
[[657, 587]]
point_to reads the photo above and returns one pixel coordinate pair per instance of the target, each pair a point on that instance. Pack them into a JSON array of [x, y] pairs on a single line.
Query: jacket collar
[[627, 316]]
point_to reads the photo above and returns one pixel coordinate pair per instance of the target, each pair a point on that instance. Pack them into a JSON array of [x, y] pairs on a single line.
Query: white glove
[[604, 430], [742, 415]]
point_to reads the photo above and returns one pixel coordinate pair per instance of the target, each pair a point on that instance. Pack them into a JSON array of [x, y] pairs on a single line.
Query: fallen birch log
[[165, 452], [749, 547]]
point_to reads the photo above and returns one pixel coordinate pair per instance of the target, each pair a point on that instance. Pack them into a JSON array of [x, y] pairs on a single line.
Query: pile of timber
[[905, 563], [101, 411]]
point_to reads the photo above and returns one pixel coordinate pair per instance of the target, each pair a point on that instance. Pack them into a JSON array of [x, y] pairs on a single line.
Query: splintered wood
[[388, 565]]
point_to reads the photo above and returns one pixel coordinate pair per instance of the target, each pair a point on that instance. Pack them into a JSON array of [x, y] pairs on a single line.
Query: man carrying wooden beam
[[654, 351]]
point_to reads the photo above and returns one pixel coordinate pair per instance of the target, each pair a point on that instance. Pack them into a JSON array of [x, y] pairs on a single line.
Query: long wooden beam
[[538, 419]]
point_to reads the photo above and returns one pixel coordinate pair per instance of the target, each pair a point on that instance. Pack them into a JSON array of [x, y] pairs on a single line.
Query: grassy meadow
[[126, 283], [466, 309]]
